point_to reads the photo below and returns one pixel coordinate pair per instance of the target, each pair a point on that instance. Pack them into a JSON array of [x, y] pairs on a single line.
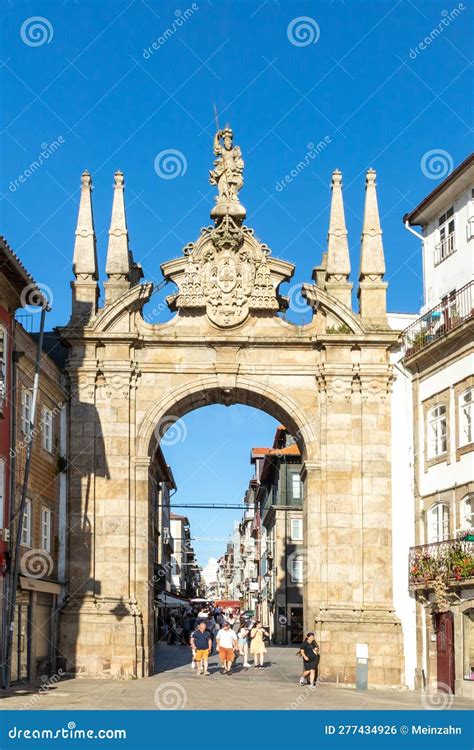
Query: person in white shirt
[[227, 645]]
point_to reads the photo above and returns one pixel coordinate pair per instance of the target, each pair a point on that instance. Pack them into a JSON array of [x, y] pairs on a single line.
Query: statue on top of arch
[[228, 176]]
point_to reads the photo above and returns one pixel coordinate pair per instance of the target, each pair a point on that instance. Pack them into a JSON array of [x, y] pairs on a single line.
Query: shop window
[[438, 523]]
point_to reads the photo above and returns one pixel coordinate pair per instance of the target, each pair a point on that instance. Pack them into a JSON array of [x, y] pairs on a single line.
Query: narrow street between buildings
[[178, 687]]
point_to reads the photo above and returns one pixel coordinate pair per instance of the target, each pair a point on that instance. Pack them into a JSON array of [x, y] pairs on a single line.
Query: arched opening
[[226, 495]]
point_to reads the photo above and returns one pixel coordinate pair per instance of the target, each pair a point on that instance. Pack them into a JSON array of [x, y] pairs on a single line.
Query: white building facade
[[439, 353]]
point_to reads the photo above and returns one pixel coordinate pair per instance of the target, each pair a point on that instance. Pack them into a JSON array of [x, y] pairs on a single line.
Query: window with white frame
[[438, 523], [467, 512], [295, 486], [26, 402], [48, 430], [437, 431], [296, 570], [446, 241], [466, 411], [26, 531], [46, 529], [2, 492], [296, 530]]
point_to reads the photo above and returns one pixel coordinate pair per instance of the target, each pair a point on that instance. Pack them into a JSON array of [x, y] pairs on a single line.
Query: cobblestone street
[[177, 686]]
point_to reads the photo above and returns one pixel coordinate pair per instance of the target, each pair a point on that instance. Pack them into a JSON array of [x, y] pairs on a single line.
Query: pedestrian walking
[[309, 651], [227, 645], [211, 627], [201, 643], [257, 644], [243, 643]]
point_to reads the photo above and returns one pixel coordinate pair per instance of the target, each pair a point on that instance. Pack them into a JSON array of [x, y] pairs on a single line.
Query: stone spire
[[372, 291], [338, 266], [119, 261], [85, 290]]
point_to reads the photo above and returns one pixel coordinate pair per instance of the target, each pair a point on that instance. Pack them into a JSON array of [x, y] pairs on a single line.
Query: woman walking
[[310, 652], [243, 643], [257, 644]]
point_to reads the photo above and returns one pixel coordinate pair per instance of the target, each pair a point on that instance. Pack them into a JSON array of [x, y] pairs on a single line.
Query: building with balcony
[[185, 571], [438, 352], [282, 563]]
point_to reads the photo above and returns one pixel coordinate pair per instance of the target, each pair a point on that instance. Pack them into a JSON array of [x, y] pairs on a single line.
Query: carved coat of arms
[[227, 273]]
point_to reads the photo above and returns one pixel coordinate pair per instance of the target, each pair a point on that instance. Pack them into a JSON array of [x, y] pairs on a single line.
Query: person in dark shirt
[[201, 644], [309, 651]]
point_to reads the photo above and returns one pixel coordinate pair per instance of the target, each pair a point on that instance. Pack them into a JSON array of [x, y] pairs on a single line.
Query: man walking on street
[[226, 643], [201, 644]]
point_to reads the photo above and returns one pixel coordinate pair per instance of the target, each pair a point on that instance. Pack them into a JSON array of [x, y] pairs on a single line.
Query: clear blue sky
[[364, 85]]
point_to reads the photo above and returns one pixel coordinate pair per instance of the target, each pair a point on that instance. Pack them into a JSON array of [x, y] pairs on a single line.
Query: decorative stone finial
[[372, 291], [372, 260], [85, 290], [118, 263], [85, 257], [228, 176], [338, 265]]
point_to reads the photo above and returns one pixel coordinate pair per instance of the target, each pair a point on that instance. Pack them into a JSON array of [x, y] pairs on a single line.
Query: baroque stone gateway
[[327, 381]]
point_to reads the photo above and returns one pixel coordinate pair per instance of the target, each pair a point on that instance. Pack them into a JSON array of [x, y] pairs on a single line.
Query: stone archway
[[328, 381]]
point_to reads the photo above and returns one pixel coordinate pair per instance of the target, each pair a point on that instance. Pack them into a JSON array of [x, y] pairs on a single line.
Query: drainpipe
[[10, 623], [420, 237]]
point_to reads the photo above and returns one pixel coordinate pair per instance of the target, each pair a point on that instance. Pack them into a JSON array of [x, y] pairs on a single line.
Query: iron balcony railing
[[440, 320], [444, 249], [453, 559]]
